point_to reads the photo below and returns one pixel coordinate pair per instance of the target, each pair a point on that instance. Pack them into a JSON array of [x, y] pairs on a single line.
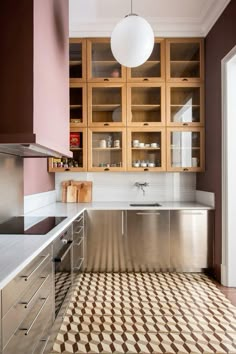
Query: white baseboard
[[39, 200]]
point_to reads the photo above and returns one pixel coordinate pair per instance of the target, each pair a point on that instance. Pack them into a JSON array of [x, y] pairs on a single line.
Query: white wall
[[115, 186]]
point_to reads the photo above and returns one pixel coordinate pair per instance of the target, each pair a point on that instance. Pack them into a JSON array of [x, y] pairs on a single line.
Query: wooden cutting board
[[71, 196], [85, 193], [64, 185]]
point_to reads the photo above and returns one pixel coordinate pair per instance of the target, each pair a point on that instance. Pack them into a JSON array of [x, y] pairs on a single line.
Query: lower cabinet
[[106, 249], [27, 307], [148, 240], [78, 245], [191, 240]]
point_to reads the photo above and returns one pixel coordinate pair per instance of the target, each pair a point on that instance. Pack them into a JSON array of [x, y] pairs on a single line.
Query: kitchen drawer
[[12, 292], [41, 288], [44, 339], [26, 338]]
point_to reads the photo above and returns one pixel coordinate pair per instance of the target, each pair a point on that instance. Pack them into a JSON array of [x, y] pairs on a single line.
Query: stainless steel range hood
[[28, 150]]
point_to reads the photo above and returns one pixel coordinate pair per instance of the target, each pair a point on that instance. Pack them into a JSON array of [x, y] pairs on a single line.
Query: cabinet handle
[[36, 317], [27, 277], [185, 79], [67, 169], [106, 124], [145, 124], [27, 304], [185, 169], [145, 79], [148, 213], [146, 169], [106, 79], [67, 250], [185, 123], [106, 169]]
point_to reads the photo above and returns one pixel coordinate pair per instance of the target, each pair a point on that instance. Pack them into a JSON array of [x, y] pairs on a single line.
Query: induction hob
[[30, 225]]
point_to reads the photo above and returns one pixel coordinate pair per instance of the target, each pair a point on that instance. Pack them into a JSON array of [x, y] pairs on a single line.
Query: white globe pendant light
[[132, 40]]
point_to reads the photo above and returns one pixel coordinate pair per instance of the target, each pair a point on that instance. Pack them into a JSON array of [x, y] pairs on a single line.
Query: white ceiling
[[169, 18]]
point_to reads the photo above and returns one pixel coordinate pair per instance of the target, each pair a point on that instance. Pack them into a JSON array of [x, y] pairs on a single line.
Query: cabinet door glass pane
[[107, 149], [76, 146], [76, 104], [185, 149], [103, 62], [185, 104], [146, 104], [146, 149], [106, 104], [75, 60], [185, 60], [152, 67]]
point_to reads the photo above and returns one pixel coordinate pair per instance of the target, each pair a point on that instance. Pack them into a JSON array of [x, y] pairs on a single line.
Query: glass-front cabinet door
[[77, 57], [145, 105], [185, 105], [78, 146], [106, 149], [106, 105], [185, 59], [146, 149], [101, 64], [153, 69], [78, 105], [185, 149]]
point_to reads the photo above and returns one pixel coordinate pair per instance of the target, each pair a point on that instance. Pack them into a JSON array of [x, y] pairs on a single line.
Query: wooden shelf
[[144, 107], [104, 107], [107, 149], [185, 62], [185, 105], [75, 62], [184, 148], [105, 62], [146, 148], [74, 106], [75, 149]]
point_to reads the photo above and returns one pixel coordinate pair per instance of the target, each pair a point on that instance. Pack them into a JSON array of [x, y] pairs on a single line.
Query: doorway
[[228, 267]]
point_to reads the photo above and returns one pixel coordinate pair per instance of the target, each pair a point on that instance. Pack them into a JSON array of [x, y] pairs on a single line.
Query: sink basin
[[145, 204]]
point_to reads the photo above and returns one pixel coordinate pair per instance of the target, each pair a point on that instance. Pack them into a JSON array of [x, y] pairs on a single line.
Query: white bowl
[[141, 145], [154, 145], [151, 164]]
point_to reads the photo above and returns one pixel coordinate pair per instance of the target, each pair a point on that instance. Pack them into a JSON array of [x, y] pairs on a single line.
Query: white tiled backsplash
[[117, 186]]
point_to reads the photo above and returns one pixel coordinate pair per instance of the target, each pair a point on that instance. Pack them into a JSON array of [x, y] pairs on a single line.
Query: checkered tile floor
[[147, 313]]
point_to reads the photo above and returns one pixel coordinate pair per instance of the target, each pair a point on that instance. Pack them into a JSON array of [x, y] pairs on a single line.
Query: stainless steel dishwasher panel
[[105, 247], [148, 240], [191, 240]]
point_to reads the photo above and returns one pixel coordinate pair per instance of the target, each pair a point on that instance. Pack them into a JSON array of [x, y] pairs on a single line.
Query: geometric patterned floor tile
[[147, 313]]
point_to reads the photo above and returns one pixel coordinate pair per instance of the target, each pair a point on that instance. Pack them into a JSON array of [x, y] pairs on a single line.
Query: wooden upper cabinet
[[77, 57], [184, 104], [185, 60], [153, 69], [106, 105], [101, 64], [145, 104], [185, 149], [78, 105]]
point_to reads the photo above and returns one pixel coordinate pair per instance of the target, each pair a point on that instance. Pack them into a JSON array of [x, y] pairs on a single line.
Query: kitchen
[[36, 104]]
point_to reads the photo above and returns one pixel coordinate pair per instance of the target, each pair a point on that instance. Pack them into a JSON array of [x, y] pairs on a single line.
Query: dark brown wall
[[220, 40], [16, 65]]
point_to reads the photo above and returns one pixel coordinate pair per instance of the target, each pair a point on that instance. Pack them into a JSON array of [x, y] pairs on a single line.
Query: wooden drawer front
[[31, 329], [17, 313], [12, 292], [42, 345]]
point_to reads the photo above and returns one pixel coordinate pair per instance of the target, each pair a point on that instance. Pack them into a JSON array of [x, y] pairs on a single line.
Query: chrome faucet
[[141, 186]]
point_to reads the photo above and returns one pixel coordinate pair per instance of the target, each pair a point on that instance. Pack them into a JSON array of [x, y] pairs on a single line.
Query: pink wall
[[36, 177]]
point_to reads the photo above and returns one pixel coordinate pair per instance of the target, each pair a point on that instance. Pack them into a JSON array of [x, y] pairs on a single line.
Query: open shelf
[[104, 107], [145, 107]]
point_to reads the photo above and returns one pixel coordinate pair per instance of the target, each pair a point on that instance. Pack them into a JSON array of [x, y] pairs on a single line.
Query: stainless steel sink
[[145, 204]]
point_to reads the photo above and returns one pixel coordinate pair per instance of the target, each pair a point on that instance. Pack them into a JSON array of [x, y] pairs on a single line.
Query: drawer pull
[[27, 277], [27, 330], [27, 304], [148, 213], [66, 250]]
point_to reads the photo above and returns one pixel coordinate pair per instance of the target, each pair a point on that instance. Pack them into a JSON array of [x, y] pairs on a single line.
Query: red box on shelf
[[74, 140]]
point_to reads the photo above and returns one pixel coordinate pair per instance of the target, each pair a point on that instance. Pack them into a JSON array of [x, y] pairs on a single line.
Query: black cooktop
[[30, 225]]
